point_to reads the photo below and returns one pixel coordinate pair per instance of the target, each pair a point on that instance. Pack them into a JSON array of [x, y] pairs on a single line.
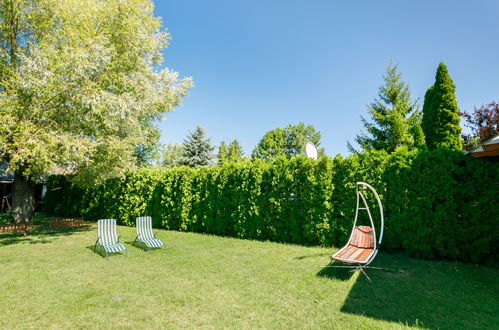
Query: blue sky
[[258, 65]]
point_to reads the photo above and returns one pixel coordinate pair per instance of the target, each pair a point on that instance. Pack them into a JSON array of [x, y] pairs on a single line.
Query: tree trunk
[[23, 199]]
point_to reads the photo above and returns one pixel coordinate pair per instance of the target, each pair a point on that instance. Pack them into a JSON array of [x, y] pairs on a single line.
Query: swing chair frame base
[[356, 268], [361, 268]]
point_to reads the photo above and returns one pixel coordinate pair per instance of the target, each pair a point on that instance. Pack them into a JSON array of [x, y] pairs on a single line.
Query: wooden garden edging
[[16, 228], [63, 223]]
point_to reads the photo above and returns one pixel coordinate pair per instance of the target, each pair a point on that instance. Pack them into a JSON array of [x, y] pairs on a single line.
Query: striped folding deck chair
[[145, 234], [107, 240]]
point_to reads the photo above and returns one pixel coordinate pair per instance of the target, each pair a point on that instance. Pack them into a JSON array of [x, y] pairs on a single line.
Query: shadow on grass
[[341, 274], [103, 255], [137, 245], [316, 255], [41, 233], [425, 294]]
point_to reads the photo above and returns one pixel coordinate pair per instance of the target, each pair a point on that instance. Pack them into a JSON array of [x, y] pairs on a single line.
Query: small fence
[[16, 227], [65, 223]]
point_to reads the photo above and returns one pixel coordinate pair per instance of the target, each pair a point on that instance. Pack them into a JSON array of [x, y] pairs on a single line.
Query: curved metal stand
[[377, 243]]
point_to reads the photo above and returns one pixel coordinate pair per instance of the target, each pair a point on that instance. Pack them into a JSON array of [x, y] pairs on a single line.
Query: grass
[[55, 280]]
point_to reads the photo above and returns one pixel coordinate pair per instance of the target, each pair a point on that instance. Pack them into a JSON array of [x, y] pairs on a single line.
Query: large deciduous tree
[[441, 114], [396, 119], [484, 124], [287, 142], [197, 150], [80, 86]]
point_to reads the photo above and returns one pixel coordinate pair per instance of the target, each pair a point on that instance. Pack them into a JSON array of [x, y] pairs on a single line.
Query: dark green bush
[[6, 217], [438, 204]]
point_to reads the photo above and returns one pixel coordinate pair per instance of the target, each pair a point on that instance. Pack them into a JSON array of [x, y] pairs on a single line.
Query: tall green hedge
[[438, 204]]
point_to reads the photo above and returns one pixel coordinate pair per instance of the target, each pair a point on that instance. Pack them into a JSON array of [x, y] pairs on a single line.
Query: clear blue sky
[[258, 65]]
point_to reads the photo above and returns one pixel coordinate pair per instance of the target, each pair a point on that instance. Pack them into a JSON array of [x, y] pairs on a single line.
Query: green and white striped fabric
[[145, 234], [108, 240]]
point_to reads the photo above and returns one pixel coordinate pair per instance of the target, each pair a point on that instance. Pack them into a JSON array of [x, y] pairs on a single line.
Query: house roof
[[489, 148]]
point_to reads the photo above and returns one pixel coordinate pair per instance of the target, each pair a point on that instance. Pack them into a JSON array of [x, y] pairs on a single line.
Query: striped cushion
[[108, 240], [118, 247], [152, 243], [106, 230], [145, 234]]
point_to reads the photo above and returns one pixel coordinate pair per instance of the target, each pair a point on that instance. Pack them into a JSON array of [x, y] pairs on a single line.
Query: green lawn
[[55, 280]]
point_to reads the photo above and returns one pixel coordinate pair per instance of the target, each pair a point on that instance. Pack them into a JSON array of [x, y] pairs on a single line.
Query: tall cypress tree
[[197, 149], [396, 118], [441, 114]]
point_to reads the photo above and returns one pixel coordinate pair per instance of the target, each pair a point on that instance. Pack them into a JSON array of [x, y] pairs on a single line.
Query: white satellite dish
[[311, 151]]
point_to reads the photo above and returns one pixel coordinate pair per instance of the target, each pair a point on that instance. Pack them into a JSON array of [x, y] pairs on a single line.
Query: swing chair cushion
[[360, 247]]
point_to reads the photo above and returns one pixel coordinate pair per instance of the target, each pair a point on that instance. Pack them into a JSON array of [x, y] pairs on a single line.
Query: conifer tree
[[222, 153], [235, 152], [441, 113], [197, 149], [396, 118]]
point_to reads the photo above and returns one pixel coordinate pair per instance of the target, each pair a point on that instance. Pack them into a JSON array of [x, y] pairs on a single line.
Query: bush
[[438, 204], [6, 217]]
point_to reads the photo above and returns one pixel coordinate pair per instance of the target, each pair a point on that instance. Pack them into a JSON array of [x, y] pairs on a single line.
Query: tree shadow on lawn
[[424, 293]]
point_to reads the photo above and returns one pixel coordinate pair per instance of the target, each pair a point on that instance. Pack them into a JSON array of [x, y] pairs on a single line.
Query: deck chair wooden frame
[[362, 246], [107, 238], [145, 234]]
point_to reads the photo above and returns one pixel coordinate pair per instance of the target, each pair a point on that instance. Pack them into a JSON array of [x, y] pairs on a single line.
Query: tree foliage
[[223, 152], [171, 155], [395, 117], [235, 152], [148, 151], [287, 142], [197, 149], [441, 114], [484, 124], [229, 154], [80, 84]]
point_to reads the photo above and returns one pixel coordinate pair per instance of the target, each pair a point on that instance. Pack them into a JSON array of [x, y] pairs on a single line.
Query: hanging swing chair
[[362, 245]]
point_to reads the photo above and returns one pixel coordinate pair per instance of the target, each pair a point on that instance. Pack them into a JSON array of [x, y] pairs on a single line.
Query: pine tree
[[236, 152], [222, 153], [197, 150], [396, 118], [441, 114]]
